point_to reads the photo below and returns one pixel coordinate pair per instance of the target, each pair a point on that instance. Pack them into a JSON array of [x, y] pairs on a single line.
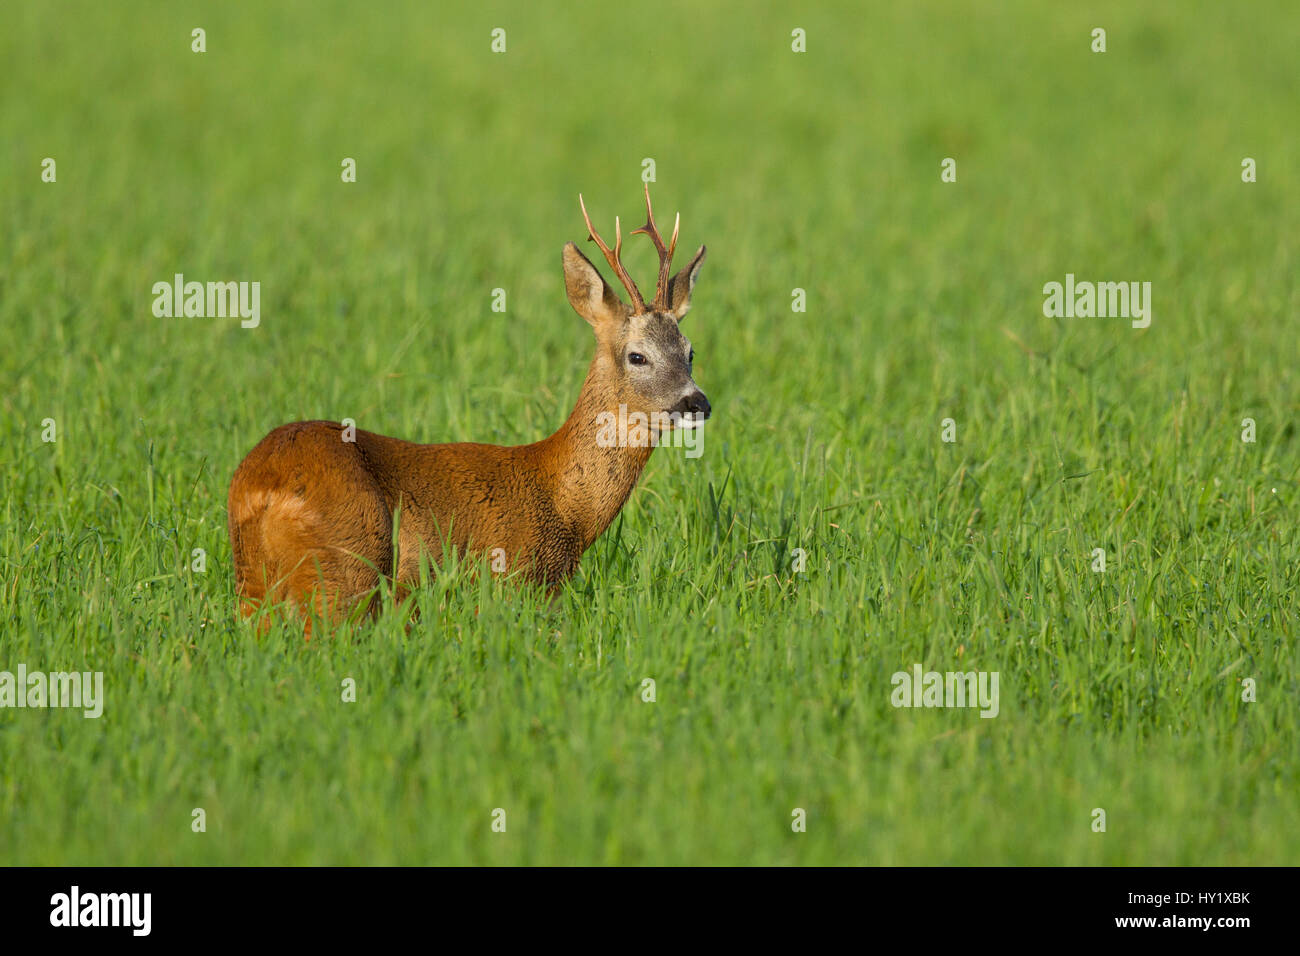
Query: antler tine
[[665, 252], [612, 256]]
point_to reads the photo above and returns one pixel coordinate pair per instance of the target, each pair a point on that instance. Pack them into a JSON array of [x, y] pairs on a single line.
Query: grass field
[[819, 171]]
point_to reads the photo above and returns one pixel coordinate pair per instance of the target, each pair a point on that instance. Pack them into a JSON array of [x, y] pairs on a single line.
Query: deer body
[[312, 516]]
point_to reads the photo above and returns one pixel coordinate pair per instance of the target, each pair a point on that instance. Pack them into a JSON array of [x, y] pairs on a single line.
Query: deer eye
[[635, 358], [690, 358]]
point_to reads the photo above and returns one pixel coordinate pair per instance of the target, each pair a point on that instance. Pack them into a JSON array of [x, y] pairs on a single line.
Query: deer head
[[642, 359]]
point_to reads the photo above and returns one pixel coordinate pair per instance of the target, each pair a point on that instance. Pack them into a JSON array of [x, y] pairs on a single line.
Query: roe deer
[[312, 515]]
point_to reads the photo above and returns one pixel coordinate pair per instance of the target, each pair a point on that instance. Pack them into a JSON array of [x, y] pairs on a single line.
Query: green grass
[[819, 171]]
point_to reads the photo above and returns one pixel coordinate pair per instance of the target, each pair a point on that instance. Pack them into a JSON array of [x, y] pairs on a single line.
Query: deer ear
[[590, 297], [679, 289]]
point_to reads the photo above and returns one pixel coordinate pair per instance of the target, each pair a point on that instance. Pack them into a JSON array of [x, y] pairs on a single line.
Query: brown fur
[[311, 516]]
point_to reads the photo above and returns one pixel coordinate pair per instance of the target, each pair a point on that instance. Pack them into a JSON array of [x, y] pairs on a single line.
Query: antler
[[665, 254], [612, 256]]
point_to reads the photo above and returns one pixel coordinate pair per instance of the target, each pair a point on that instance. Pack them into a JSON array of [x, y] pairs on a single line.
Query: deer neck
[[590, 476]]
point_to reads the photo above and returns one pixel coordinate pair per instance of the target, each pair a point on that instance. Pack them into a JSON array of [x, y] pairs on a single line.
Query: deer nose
[[695, 404]]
